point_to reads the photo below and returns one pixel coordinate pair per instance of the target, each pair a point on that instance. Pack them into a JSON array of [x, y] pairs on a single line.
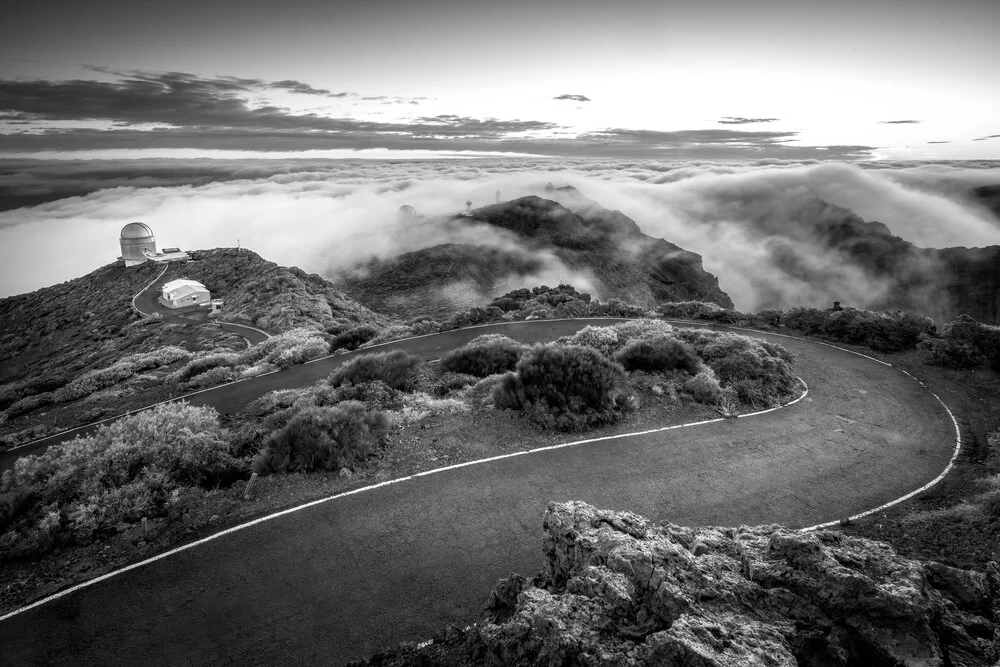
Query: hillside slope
[[272, 297], [55, 333], [539, 240]]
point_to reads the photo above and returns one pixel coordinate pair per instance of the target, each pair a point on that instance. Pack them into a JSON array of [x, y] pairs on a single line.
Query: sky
[[712, 79]]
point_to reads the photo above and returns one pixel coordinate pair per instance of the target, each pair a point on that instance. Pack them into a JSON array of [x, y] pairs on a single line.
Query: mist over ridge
[[324, 215]]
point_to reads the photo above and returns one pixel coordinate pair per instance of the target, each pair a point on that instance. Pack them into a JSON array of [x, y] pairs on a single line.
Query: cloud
[[899, 122], [739, 120], [939, 142], [178, 110], [304, 88], [573, 98], [752, 222], [991, 136]]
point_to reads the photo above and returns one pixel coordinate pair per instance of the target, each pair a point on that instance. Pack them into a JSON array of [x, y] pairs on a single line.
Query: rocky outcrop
[[535, 240], [620, 590]]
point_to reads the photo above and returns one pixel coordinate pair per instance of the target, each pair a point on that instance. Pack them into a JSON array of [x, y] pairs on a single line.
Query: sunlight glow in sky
[[910, 79]]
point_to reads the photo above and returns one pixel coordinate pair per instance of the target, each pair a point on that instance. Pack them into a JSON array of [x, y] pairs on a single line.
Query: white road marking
[[344, 494]]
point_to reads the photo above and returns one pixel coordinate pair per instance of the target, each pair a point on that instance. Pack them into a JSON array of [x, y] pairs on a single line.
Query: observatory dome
[[137, 230], [137, 243]]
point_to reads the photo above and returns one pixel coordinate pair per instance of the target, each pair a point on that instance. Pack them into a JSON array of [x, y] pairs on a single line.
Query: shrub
[[352, 339], [324, 438], [397, 369], [376, 395], [212, 378], [603, 339], [314, 348], [28, 404], [699, 310], [123, 369], [199, 365], [657, 354], [754, 373], [445, 383], [944, 352], [891, 331], [485, 355], [965, 343], [126, 470], [609, 340], [567, 387], [704, 387], [392, 333]]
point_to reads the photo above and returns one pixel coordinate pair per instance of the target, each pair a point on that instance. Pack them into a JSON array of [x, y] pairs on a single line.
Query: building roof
[[185, 290], [136, 230], [182, 282]]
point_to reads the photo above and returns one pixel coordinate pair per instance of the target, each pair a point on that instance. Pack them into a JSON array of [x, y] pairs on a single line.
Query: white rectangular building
[[180, 293]]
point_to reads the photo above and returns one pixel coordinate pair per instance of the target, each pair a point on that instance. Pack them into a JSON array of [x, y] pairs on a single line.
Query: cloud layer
[[138, 109], [750, 222]]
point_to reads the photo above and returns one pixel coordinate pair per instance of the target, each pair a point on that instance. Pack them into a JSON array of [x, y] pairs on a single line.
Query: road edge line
[[372, 487]]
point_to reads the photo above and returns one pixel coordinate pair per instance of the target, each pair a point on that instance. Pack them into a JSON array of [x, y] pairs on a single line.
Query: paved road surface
[[339, 580]]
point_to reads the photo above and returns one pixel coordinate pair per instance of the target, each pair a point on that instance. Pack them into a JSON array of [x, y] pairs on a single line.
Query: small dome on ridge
[[136, 230]]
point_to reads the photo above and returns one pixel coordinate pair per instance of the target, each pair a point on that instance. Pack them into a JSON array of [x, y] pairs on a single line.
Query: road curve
[[341, 579]]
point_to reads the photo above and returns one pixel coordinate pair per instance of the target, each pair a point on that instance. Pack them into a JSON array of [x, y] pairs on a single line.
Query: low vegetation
[[484, 356], [324, 438], [965, 343], [397, 369], [567, 387], [151, 465]]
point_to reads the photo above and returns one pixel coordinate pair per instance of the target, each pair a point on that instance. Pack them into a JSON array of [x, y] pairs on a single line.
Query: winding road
[[341, 578]]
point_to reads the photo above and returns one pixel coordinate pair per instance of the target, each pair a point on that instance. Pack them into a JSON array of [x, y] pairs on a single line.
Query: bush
[[377, 395], [657, 354], [704, 388], [397, 369], [126, 470], [699, 310], [483, 356], [567, 387], [951, 354], [212, 378], [352, 339], [609, 340], [445, 383], [392, 333], [754, 373], [965, 343], [199, 365], [892, 331], [103, 378], [324, 438]]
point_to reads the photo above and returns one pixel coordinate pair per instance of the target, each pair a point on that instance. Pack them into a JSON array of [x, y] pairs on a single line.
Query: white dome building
[[138, 243]]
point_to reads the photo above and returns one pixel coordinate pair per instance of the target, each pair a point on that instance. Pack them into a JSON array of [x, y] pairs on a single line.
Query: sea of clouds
[[327, 215]]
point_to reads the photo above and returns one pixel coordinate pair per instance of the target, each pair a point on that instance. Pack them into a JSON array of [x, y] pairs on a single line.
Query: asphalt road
[[147, 304], [342, 579]]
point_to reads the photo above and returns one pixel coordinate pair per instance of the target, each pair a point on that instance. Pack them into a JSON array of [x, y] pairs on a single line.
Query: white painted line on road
[[928, 485], [344, 494]]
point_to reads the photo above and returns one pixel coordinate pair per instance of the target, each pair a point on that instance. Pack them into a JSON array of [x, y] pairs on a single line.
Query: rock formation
[[620, 590]]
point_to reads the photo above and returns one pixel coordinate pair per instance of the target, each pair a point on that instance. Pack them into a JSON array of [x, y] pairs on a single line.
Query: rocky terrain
[[620, 590], [605, 246]]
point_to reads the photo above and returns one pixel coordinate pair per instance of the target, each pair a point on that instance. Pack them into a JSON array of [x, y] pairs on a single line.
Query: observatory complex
[[139, 245], [182, 292]]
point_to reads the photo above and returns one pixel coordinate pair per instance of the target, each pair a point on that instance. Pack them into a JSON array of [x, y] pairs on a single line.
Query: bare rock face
[[620, 590]]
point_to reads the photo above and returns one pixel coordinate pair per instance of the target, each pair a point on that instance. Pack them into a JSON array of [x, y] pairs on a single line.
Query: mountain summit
[[527, 241]]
